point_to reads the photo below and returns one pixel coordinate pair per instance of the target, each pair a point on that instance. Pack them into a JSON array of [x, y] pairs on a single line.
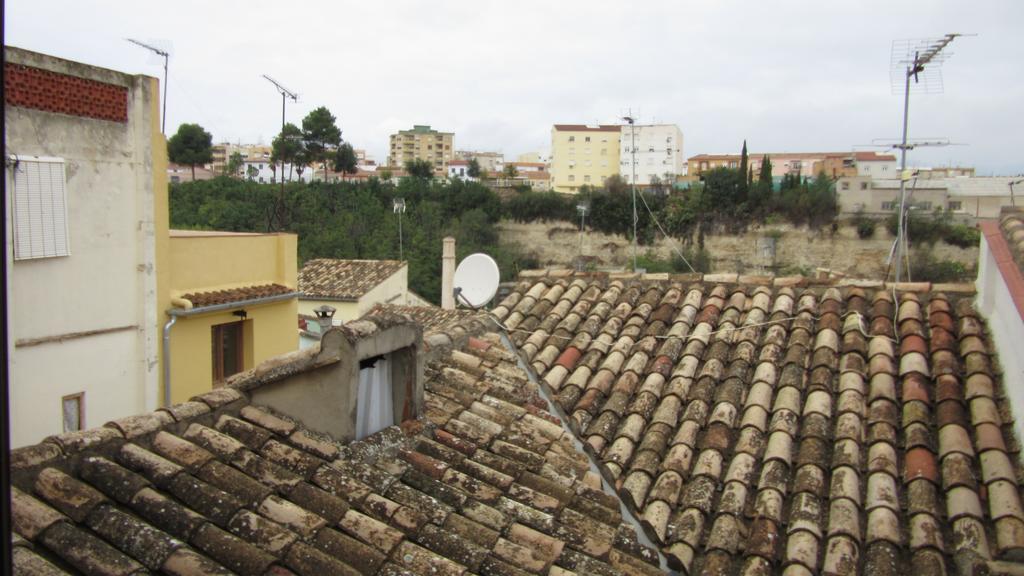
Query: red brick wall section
[[52, 92]]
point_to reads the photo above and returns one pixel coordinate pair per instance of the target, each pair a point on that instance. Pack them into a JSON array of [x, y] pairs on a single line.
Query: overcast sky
[[785, 76]]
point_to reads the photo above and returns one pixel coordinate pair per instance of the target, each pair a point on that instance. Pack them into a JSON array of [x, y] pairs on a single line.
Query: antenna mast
[[920, 60], [285, 94], [158, 52]]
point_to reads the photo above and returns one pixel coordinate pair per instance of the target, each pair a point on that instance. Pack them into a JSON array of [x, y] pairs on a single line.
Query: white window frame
[[39, 207]]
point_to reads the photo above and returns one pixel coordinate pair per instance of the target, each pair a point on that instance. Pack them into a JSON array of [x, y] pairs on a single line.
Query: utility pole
[[158, 52], [582, 209], [632, 135], [285, 94], [398, 206]]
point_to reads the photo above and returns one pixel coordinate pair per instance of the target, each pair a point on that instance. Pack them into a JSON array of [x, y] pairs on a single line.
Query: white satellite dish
[[476, 280]]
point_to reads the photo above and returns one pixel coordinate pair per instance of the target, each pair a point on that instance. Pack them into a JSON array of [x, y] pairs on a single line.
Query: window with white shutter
[[39, 207]]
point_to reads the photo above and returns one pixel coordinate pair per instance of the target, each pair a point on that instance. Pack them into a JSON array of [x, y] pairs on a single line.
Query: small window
[[604, 151], [572, 138], [586, 178], [888, 205], [586, 139], [228, 349], [863, 185], [572, 177], [72, 409], [846, 186], [39, 207], [955, 205]]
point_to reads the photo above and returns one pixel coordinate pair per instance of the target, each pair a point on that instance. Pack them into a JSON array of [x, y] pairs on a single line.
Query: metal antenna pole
[[398, 207], [158, 52], [632, 136], [285, 94], [912, 57], [1013, 202]]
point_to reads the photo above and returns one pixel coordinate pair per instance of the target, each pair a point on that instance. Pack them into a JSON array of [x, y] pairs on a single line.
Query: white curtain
[[374, 410]]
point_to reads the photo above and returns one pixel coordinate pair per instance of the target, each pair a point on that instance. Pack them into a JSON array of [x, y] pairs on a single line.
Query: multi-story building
[[222, 154], [583, 155], [488, 161], [804, 164], [422, 143], [868, 164], [88, 227], [653, 151], [981, 198]]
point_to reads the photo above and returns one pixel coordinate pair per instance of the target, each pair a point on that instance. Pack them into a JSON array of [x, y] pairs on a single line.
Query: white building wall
[[659, 151], [1006, 327], [82, 322], [265, 174], [878, 168]]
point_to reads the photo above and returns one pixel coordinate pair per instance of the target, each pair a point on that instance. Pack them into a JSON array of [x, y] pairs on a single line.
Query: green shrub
[[865, 228], [925, 267], [962, 236]]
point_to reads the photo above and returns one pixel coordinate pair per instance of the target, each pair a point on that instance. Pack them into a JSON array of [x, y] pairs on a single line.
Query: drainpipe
[[448, 273], [167, 360]]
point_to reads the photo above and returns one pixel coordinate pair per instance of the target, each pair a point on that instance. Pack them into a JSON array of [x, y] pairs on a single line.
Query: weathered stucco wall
[[87, 322], [780, 248]]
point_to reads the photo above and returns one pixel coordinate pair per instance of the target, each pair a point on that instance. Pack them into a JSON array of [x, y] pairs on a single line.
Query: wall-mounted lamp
[[241, 314]]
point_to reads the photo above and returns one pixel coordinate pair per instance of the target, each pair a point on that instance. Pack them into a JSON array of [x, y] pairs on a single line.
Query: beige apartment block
[[489, 161], [583, 155], [222, 153], [422, 143]]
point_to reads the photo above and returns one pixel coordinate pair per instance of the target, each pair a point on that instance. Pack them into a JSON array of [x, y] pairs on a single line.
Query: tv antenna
[[919, 60], [476, 280], [285, 95], [632, 148], [398, 207], [166, 56], [1013, 183]]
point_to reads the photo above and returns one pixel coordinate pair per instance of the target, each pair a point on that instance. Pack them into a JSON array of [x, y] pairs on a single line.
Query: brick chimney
[[448, 273]]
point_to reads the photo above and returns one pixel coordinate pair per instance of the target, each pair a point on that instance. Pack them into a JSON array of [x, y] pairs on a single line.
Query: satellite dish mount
[[476, 281]]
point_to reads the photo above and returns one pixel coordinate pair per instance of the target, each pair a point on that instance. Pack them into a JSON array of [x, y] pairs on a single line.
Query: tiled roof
[[215, 297], [344, 279], [487, 483], [431, 318], [1012, 226], [771, 429]]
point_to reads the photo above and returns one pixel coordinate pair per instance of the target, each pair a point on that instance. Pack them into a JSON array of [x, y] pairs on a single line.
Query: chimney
[[448, 273]]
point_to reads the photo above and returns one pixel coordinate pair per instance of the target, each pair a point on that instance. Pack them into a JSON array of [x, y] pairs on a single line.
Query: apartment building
[[422, 143], [488, 161], [804, 164], [583, 155], [652, 151], [222, 154], [867, 164]]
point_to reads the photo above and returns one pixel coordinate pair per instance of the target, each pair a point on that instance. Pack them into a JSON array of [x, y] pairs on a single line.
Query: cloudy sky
[[785, 76]]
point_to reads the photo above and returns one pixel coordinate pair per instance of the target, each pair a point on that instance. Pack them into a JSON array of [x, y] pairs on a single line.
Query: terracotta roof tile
[[213, 298], [831, 439], [344, 280], [226, 485]]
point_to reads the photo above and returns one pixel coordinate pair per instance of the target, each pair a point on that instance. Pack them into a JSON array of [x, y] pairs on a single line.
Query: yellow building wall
[[570, 154], [270, 330], [206, 261], [203, 261], [394, 290]]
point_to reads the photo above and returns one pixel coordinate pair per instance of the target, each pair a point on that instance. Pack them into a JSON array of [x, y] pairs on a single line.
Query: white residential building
[[459, 169], [659, 152], [265, 171]]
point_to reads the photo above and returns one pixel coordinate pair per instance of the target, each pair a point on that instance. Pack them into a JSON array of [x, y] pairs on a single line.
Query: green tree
[[251, 172], [743, 189], [345, 159], [510, 171], [418, 168], [288, 147], [234, 164], [190, 145], [321, 135], [474, 170]]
